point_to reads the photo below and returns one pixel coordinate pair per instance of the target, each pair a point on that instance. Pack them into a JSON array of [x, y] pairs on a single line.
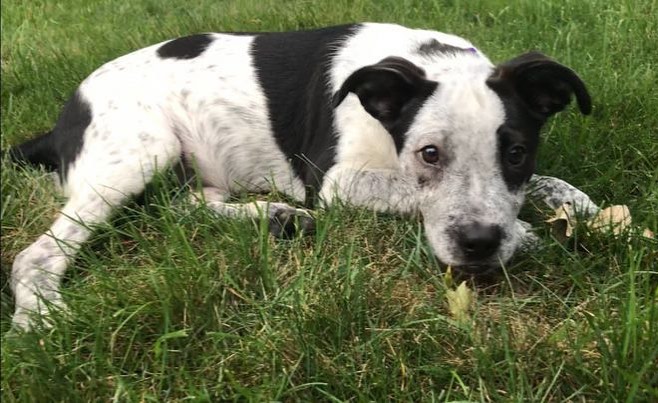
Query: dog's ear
[[543, 84], [385, 88]]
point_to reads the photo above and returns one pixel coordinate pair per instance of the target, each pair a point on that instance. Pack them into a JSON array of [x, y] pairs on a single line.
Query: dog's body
[[376, 115]]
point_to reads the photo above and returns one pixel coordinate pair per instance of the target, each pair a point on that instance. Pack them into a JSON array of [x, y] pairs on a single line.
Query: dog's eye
[[516, 155], [430, 154]]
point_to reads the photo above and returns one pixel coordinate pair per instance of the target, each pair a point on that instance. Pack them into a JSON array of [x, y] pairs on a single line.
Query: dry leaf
[[563, 222], [617, 218], [460, 301], [647, 233]]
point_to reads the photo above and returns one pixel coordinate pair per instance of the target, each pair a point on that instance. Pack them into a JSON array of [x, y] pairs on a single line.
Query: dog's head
[[469, 143]]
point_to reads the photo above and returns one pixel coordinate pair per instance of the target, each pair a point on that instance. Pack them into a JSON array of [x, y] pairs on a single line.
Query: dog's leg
[[38, 269], [556, 192], [379, 190], [553, 192], [527, 239], [102, 178], [285, 220]]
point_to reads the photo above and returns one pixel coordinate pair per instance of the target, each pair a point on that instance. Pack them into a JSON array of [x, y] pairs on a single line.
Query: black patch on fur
[[293, 69], [286, 224], [521, 127], [392, 91], [57, 149], [513, 133], [532, 88], [187, 47], [399, 129], [434, 47], [544, 85], [37, 151]]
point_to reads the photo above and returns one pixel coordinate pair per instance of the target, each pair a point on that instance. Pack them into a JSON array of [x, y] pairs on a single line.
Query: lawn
[[170, 303]]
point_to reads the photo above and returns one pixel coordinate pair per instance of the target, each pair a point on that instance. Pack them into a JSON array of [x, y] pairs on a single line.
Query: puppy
[[376, 115]]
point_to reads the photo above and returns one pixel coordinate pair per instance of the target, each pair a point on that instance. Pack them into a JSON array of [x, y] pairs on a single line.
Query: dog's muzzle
[[478, 246], [479, 242]]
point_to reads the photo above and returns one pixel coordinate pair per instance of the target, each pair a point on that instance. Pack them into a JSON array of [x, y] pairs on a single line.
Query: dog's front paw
[[557, 193], [287, 223], [583, 205], [528, 241]]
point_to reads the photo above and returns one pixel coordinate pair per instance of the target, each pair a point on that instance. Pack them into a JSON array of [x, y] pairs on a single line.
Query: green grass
[[169, 303]]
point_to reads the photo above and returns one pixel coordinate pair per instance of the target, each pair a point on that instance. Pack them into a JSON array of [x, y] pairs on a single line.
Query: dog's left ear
[[385, 88], [543, 84]]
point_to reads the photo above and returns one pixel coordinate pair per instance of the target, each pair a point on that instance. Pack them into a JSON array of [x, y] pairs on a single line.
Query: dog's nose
[[478, 241]]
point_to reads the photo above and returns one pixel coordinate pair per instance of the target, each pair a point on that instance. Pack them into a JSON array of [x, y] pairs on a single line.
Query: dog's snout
[[478, 241]]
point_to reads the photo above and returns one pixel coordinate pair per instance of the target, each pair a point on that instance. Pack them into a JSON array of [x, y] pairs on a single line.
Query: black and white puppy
[[376, 115]]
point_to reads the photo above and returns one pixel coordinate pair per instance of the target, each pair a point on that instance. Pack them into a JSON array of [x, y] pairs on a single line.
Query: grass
[[170, 303]]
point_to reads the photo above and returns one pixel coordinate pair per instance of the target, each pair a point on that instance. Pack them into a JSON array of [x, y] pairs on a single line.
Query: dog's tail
[[37, 151]]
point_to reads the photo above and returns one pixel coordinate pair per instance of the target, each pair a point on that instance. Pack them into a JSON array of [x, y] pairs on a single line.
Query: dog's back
[[248, 109]]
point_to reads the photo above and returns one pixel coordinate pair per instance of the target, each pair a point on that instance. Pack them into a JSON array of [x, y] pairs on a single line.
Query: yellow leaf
[[460, 301], [615, 218]]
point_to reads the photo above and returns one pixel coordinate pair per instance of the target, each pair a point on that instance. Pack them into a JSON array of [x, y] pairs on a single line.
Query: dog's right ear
[[385, 88]]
